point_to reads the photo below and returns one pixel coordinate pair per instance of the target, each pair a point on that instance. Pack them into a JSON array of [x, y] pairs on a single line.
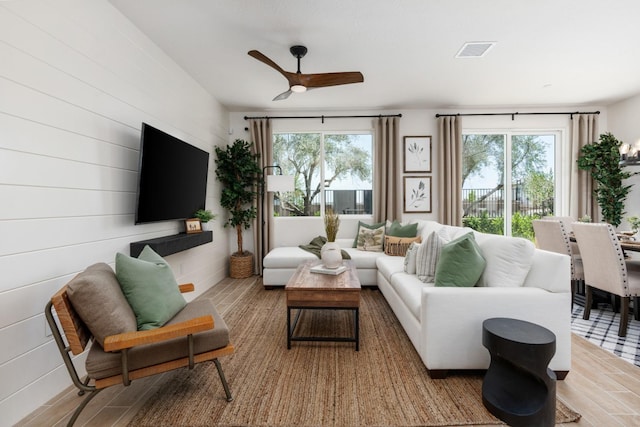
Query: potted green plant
[[238, 171], [602, 160], [204, 215]]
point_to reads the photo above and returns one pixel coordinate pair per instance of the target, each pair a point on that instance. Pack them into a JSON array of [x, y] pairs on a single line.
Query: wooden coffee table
[[307, 290]]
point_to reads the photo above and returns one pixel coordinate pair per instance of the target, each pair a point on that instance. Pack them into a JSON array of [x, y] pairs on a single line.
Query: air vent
[[474, 49]]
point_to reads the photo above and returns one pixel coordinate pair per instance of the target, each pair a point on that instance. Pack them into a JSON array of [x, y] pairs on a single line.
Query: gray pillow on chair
[[96, 295]]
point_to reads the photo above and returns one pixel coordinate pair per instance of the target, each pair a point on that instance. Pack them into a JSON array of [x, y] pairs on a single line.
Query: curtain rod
[[324, 117], [515, 114]]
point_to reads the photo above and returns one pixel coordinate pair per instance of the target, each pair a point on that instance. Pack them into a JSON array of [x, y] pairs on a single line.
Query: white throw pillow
[[410, 258], [508, 260], [428, 254]]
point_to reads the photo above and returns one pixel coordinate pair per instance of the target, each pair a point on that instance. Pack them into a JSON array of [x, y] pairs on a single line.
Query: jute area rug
[[318, 384]]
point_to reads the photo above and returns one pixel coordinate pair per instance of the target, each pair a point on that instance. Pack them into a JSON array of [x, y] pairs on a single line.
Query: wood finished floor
[[602, 387]]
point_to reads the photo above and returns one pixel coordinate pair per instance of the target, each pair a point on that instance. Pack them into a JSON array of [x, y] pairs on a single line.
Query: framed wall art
[[417, 194], [193, 225], [417, 154]]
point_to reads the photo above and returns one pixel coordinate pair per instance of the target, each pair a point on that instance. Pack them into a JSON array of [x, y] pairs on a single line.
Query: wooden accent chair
[[605, 268], [196, 334], [552, 235]]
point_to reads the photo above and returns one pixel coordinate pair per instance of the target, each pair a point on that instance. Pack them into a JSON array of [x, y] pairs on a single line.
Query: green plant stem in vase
[[331, 225]]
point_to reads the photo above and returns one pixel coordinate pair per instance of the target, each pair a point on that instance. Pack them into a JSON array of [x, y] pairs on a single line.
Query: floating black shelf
[[168, 245]]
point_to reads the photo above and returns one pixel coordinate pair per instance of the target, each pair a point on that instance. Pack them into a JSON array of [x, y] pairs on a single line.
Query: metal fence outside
[[490, 202], [343, 202]]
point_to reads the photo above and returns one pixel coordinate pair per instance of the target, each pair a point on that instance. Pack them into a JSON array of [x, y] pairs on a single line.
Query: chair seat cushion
[[101, 364]]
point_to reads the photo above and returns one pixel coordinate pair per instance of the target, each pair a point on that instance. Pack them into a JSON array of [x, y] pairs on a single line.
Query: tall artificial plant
[[602, 159], [238, 170]]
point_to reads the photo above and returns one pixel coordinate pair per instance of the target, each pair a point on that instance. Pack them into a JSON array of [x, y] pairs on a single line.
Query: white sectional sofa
[[444, 324]]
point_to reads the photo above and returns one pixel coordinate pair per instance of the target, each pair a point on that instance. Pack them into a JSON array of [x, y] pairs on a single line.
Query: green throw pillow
[[149, 286], [461, 263], [398, 230], [369, 226]]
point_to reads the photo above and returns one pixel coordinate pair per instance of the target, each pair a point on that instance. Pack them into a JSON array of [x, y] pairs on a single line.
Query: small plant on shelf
[[204, 215]]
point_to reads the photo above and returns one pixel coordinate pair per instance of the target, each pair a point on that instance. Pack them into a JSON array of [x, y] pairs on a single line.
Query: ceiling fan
[[299, 82]]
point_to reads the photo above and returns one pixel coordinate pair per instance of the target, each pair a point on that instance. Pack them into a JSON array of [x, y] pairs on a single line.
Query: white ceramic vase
[[331, 255]]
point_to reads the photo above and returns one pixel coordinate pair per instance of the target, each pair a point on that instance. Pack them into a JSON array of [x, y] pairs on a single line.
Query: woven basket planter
[[241, 265]]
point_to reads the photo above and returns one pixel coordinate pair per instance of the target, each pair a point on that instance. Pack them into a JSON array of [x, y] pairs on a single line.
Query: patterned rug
[[319, 384], [602, 330]]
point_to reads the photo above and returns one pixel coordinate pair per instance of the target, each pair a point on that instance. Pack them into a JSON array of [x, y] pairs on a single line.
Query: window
[[508, 180], [331, 171]]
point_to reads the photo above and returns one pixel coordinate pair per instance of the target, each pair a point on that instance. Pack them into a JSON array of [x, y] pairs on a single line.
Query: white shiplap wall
[[76, 81]]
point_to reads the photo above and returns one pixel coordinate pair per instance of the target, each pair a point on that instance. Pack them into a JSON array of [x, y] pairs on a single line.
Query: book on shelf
[[320, 268]]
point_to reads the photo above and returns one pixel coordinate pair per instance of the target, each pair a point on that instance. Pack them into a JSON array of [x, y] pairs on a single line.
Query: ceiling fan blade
[[330, 79], [283, 95], [263, 58]]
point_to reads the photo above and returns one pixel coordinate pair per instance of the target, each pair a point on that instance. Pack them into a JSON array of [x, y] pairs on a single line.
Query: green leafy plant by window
[[238, 170], [601, 159]]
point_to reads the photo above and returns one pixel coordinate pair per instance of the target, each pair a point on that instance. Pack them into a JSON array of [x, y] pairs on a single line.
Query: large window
[[331, 171], [508, 180]]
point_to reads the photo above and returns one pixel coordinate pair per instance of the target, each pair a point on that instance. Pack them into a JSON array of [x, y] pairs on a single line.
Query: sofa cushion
[[389, 265], [370, 239], [287, 257], [508, 259], [150, 287], [97, 298], [426, 227], [364, 259], [365, 225], [398, 230], [409, 289], [397, 246], [429, 253], [461, 263], [101, 364], [410, 258]]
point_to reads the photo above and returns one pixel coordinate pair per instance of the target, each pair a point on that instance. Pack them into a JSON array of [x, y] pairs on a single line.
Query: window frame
[[323, 133], [562, 170]]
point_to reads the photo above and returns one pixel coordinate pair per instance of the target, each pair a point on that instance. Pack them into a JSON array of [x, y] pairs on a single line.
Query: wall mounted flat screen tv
[[172, 177]]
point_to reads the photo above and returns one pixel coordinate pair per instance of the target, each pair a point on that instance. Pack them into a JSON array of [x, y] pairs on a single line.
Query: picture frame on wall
[[417, 154], [193, 225], [417, 194]]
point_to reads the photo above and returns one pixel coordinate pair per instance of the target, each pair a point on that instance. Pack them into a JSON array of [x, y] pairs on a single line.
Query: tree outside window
[[508, 180], [331, 170]]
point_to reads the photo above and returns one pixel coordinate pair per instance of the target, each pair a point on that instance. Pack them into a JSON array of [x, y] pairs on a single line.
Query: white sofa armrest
[[451, 320]]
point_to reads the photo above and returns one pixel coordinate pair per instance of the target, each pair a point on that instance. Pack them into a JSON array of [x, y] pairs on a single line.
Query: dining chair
[[551, 235], [567, 222], [606, 268]]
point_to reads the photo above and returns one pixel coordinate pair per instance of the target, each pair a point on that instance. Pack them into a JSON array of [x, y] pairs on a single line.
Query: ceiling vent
[[474, 49]]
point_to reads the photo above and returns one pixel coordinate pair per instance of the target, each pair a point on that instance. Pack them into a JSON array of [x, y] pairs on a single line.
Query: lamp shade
[[280, 183]]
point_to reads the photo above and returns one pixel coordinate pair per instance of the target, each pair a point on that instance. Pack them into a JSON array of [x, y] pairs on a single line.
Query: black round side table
[[518, 387]]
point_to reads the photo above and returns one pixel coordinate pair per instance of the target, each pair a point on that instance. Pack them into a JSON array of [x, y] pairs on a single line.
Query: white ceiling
[[547, 52]]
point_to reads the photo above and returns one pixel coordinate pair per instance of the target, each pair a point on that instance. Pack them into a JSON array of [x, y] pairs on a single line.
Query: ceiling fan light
[[298, 88]]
